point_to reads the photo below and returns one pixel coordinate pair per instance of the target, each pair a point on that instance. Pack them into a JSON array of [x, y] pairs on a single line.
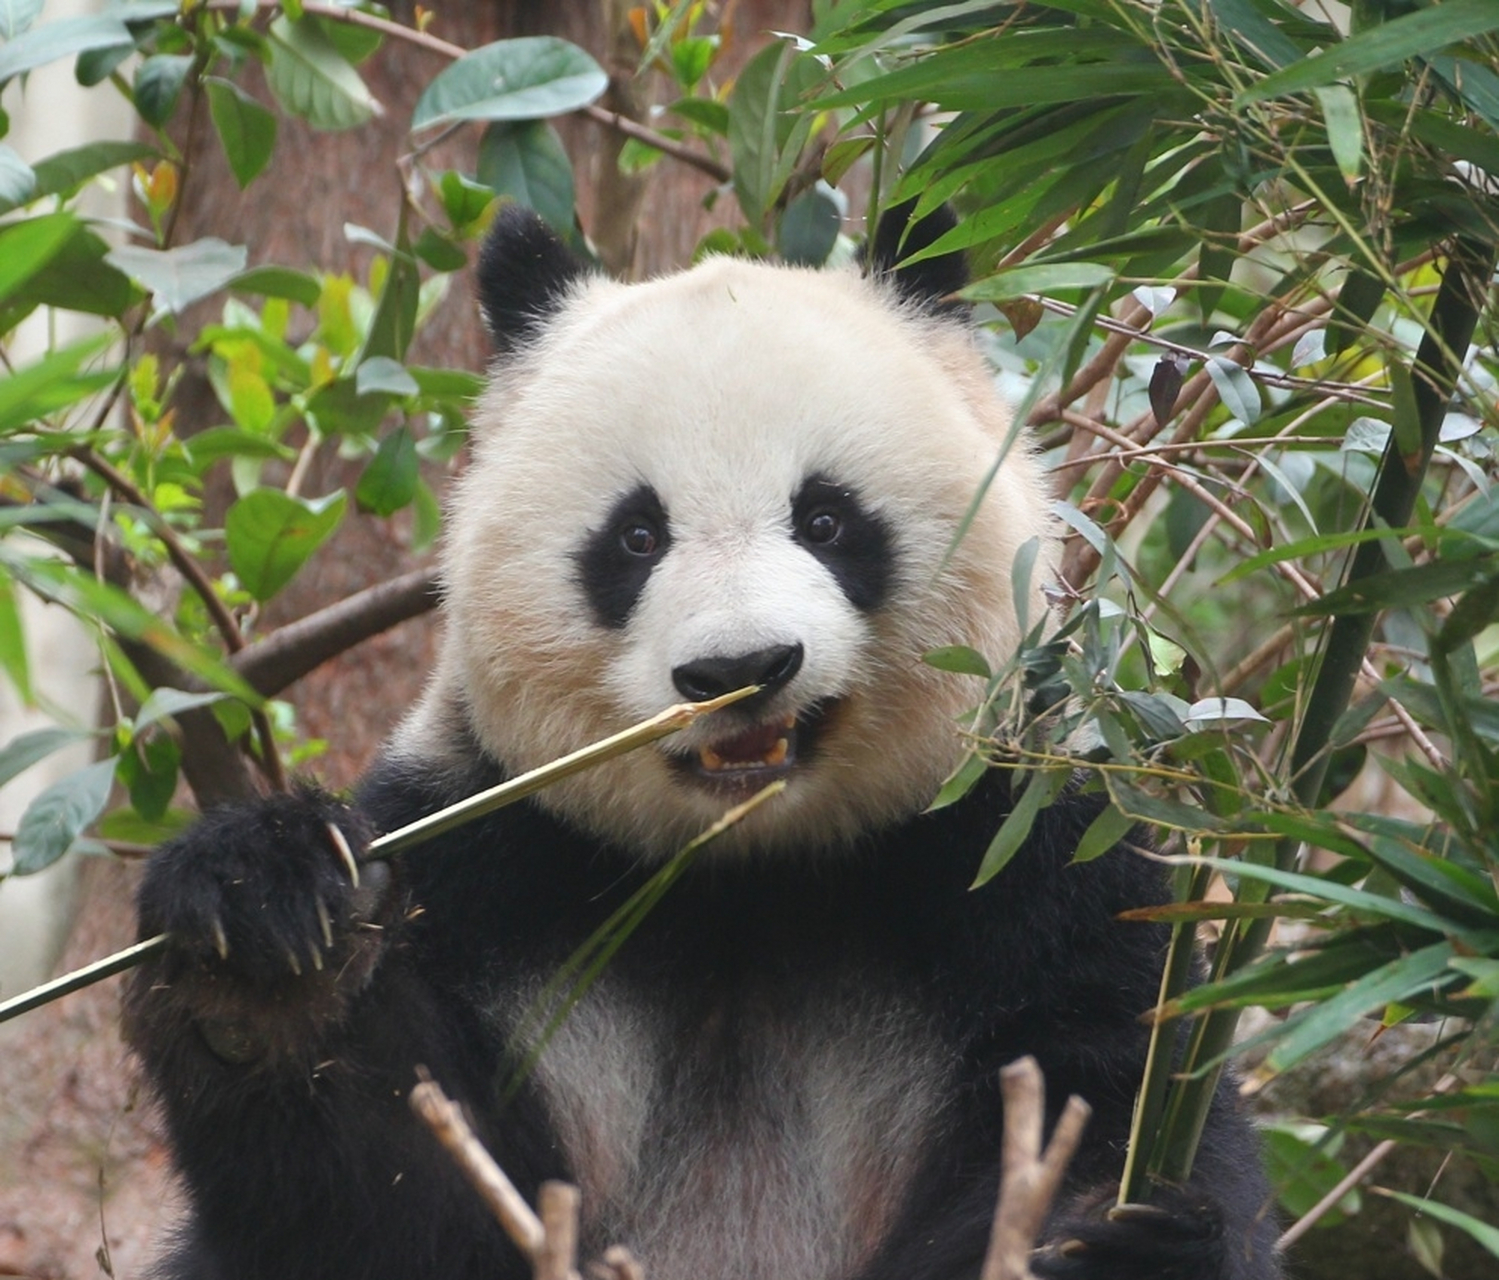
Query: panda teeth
[[751, 752]]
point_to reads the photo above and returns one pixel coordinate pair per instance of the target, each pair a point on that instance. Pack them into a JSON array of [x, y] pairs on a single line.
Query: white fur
[[724, 388]]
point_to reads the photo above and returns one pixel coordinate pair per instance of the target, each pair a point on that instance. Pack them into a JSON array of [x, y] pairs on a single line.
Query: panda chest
[[746, 1129]]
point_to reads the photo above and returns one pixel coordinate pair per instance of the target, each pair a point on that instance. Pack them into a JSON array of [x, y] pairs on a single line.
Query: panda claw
[[345, 854], [220, 939], [325, 922], [1073, 1248], [294, 963]]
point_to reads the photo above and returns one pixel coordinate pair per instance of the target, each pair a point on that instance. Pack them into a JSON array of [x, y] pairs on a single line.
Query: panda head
[[740, 474]]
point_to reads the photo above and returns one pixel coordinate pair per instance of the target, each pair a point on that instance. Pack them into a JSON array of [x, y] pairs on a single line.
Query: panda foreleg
[[281, 1031]]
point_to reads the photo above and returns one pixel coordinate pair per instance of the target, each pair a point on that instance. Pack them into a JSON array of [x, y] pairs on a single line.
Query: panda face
[[743, 474]]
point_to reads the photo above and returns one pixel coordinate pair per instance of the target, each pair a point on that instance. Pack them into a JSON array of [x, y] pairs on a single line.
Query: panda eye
[[822, 526], [639, 538]]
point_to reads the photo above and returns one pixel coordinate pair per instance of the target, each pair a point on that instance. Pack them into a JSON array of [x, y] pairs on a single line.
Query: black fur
[[302, 1161], [859, 554], [525, 273], [614, 564], [932, 283]]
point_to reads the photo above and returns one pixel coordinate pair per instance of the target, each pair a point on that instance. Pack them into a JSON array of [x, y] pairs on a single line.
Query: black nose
[[706, 678]]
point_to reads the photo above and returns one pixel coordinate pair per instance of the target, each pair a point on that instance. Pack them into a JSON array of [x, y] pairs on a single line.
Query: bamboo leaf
[[1410, 36]]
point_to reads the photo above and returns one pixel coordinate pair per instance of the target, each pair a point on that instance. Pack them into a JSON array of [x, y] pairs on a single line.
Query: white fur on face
[[724, 389]]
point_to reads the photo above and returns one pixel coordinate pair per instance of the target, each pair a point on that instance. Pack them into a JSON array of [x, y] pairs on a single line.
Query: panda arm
[[282, 1039]]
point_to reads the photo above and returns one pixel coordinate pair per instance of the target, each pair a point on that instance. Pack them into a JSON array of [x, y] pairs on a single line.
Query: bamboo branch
[[672, 720], [1030, 1177]]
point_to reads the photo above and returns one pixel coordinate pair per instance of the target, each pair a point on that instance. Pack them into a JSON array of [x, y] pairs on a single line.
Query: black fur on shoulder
[[931, 283], [525, 272]]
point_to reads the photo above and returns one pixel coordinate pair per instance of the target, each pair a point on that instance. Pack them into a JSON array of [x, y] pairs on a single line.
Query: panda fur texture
[[742, 473]]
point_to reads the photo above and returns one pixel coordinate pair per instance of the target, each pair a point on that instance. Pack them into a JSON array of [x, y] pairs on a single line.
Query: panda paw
[[1180, 1237], [267, 890]]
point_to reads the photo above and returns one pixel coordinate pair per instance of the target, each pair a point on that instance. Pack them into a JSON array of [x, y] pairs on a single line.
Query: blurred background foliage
[[1234, 263]]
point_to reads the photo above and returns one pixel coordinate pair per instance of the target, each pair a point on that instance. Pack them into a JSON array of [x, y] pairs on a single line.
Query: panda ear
[[525, 274], [931, 283]]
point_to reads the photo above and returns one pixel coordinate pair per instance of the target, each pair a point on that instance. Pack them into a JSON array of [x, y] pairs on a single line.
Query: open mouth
[[756, 755]]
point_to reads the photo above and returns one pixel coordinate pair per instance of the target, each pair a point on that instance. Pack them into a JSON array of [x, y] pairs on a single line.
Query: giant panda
[[740, 474]]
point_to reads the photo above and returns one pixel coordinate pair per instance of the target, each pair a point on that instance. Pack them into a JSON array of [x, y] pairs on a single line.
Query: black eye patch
[[616, 559], [851, 542]]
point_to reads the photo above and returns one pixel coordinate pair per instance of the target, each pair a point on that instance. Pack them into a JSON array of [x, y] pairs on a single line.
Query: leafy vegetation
[[1238, 262]]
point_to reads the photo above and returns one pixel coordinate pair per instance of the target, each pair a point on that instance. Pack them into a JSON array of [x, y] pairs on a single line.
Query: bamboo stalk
[[661, 725]]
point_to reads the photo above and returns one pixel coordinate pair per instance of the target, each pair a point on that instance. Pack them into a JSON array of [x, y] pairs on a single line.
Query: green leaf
[[270, 535], [179, 277], [765, 129], [62, 39], [59, 815], [394, 322], [1103, 833], [1397, 589], [1345, 128], [279, 282], [148, 770], [158, 86], [52, 383], [1236, 389], [1308, 1030], [809, 227], [13, 658], [311, 79], [1043, 278], [165, 703], [1412, 35], [17, 15], [528, 78], [20, 753], [26, 247], [1042, 787], [525, 160], [381, 373], [17, 180], [77, 278], [65, 171], [959, 659], [389, 482], [246, 129]]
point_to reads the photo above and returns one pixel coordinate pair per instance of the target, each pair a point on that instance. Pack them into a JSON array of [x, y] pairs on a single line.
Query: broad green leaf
[[61, 39], [17, 180], [158, 85], [381, 373], [1236, 389], [165, 703], [1142, 806], [311, 79], [148, 770], [529, 78], [245, 128], [1411, 35], [17, 15], [20, 753], [26, 247], [59, 815], [1043, 278], [65, 171], [76, 278], [1302, 1172], [765, 129], [394, 322], [525, 160], [1208, 711], [1398, 588], [389, 481], [809, 227], [179, 277], [270, 535], [278, 282]]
